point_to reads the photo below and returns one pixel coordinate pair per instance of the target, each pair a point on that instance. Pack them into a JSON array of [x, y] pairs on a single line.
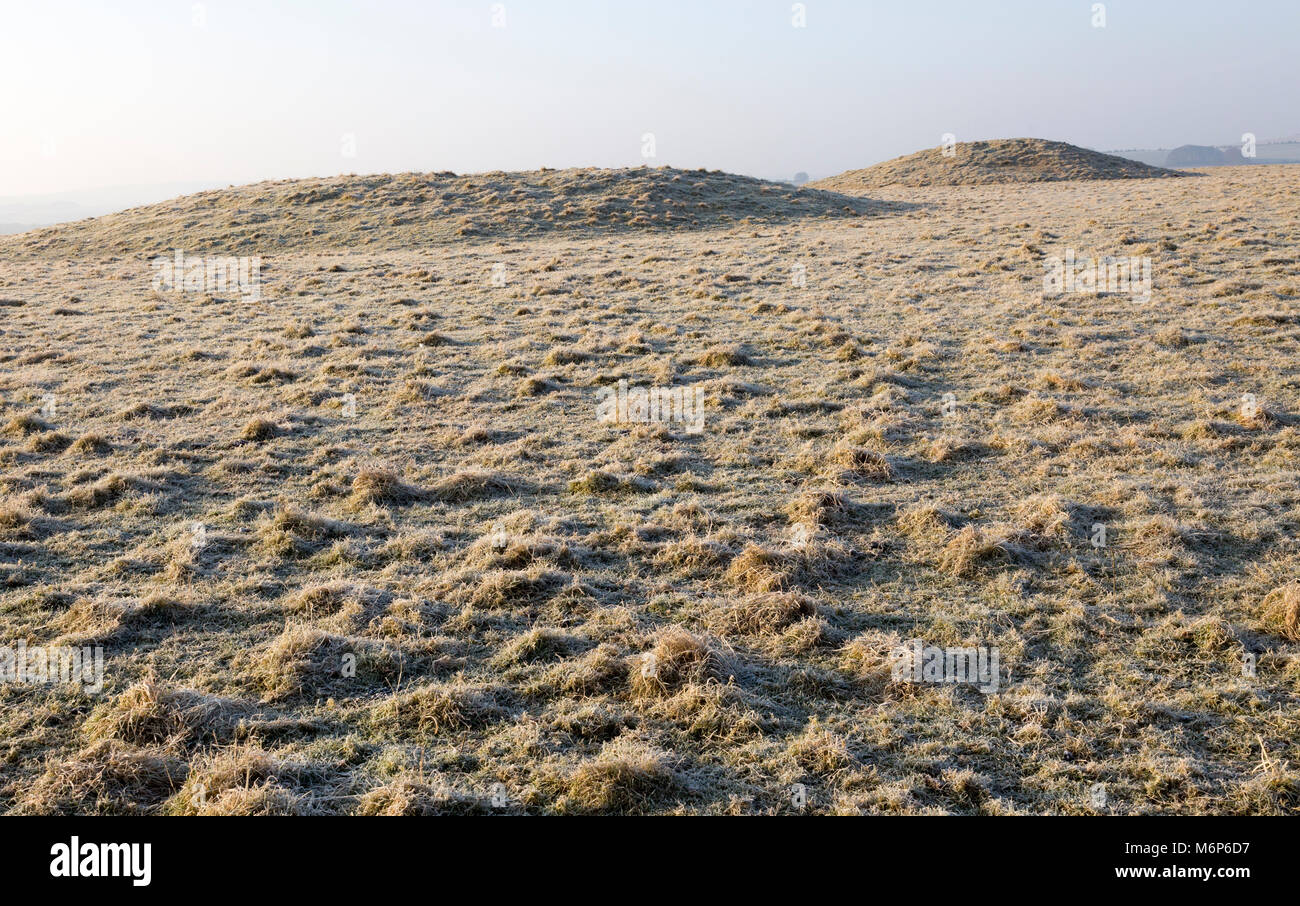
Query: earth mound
[[402, 211], [1011, 160]]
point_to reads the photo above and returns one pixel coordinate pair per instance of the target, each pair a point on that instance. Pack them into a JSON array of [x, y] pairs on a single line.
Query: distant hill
[[992, 162], [1282, 151], [1196, 156]]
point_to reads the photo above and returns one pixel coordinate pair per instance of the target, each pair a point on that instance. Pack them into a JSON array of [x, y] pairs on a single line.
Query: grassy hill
[[993, 162], [413, 209]]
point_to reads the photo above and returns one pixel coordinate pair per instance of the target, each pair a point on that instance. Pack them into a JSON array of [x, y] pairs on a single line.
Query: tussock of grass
[[924, 522], [108, 777], [143, 410], [711, 711], [946, 449], [506, 589], [519, 552], [1034, 410], [157, 607], [821, 750], [15, 519], [474, 435], [434, 338], [23, 425], [1260, 419], [291, 531], [541, 643], [596, 481], [859, 462], [677, 659], [91, 443], [534, 385], [723, 356], [600, 671], [417, 545], [49, 442], [435, 709], [307, 661], [693, 556], [560, 356], [868, 659], [1046, 515], [602, 483], [762, 614], [624, 779], [260, 429], [1178, 635], [818, 507], [970, 548], [242, 780], [408, 796], [149, 713], [89, 618], [473, 484], [381, 486], [106, 490], [320, 600], [758, 569], [1281, 611]]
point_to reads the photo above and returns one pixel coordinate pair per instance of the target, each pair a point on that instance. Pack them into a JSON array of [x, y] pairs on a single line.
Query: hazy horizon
[[219, 93]]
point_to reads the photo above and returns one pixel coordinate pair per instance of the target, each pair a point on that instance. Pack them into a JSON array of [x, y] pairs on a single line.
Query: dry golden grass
[[429, 580]]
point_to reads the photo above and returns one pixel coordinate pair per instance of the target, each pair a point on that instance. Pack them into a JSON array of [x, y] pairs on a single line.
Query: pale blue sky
[[132, 93]]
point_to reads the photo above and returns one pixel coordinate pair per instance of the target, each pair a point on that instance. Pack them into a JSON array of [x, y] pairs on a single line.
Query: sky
[[140, 94]]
